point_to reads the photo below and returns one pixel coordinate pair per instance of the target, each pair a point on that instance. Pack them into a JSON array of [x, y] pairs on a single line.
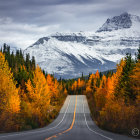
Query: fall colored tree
[[55, 94], [89, 85], [110, 87], [9, 98], [100, 94], [38, 94], [74, 87]]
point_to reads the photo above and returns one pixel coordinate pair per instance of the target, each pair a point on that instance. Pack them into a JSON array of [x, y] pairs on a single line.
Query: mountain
[[69, 54]]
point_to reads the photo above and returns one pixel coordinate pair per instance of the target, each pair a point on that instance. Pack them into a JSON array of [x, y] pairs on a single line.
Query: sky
[[23, 22]]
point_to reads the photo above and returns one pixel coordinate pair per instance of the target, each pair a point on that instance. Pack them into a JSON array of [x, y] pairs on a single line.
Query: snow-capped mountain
[[68, 55]]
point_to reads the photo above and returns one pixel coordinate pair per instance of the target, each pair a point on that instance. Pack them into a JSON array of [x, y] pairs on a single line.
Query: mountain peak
[[125, 14], [122, 21]]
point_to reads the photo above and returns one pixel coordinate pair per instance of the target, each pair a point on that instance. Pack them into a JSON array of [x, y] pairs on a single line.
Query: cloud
[[22, 35], [24, 21]]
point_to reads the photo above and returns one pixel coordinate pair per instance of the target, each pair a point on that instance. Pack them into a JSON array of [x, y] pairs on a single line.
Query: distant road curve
[[73, 123]]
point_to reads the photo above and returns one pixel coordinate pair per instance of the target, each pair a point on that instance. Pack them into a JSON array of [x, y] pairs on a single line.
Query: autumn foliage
[[29, 98], [115, 101], [9, 98], [114, 98]]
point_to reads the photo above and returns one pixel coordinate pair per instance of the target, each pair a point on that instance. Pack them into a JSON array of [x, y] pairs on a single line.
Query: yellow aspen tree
[[79, 83], [100, 94], [55, 90], [110, 87], [89, 86], [97, 75], [65, 92], [61, 88], [39, 96], [100, 98], [49, 81], [9, 98], [74, 86], [103, 82]]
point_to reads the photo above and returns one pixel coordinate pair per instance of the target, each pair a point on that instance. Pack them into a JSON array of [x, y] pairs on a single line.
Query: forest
[[114, 98], [31, 98]]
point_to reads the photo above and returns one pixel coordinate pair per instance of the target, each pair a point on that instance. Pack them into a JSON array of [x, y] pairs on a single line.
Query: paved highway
[[73, 123]]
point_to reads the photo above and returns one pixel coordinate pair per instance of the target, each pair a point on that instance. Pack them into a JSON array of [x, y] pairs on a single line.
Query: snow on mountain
[[69, 54], [124, 21]]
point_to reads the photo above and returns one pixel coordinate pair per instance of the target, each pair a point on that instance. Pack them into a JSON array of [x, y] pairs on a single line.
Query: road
[[73, 123]]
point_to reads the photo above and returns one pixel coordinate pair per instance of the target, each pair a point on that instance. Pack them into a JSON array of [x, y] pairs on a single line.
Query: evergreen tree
[[125, 84], [27, 62], [138, 55], [33, 63]]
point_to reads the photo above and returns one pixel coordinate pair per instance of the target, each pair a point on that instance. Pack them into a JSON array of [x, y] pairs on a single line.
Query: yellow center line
[[54, 136]]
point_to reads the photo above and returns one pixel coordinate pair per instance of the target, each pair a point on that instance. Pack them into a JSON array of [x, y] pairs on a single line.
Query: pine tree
[[27, 62], [33, 63], [138, 55]]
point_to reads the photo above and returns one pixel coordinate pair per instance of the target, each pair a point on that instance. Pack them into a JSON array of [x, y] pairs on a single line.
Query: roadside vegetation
[[114, 98], [29, 98]]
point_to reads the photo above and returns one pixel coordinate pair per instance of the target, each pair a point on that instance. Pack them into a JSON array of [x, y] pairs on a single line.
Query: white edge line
[[24, 133], [90, 128]]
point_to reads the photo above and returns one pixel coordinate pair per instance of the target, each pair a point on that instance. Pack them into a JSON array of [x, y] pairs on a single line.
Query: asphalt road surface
[[73, 123]]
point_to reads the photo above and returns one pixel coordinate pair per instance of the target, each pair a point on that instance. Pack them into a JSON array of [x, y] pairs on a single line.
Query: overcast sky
[[22, 22]]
